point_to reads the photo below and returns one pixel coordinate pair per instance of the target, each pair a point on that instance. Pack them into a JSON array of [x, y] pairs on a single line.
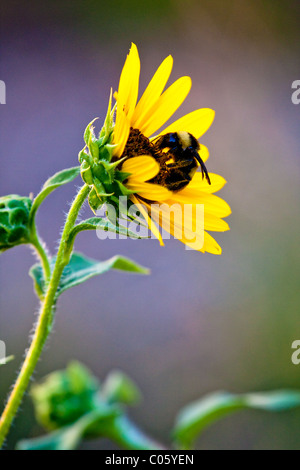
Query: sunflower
[[136, 130]]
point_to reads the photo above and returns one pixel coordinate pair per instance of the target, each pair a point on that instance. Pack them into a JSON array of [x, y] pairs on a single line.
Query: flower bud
[[14, 219], [64, 396]]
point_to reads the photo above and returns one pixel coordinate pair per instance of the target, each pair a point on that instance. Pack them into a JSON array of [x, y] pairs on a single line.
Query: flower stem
[[45, 319]]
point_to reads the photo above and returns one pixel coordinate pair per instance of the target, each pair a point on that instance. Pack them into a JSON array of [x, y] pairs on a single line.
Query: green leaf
[[57, 180], [64, 439], [109, 423], [68, 437], [194, 418], [119, 388], [81, 268], [61, 395], [97, 223], [125, 434]]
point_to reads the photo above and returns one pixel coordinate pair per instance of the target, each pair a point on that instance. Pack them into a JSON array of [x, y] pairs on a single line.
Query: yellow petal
[[186, 215], [210, 245], [197, 123], [129, 83], [150, 222], [152, 92], [199, 183], [173, 218], [212, 204], [121, 133], [166, 106], [182, 225], [126, 99], [215, 224], [152, 192], [142, 168]]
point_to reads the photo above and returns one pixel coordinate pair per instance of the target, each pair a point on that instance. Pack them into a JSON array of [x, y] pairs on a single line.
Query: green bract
[[14, 221], [97, 168]]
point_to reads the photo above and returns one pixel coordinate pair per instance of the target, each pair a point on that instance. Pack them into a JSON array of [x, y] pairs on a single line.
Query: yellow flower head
[[161, 164]]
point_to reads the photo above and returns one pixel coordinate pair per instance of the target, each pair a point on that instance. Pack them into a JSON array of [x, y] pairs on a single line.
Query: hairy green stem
[[37, 244], [45, 319]]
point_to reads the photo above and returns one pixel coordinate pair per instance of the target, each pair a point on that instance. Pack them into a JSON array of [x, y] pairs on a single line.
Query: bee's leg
[[179, 164], [178, 185], [177, 179], [203, 167]]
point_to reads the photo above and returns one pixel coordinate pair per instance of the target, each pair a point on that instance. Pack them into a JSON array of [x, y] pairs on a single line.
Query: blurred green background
[[199, 323]]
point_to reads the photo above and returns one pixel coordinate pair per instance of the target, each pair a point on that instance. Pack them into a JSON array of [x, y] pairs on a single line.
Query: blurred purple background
[[199, 322]]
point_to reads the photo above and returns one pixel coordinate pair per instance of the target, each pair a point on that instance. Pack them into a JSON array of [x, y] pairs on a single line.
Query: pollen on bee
[[138, 144]]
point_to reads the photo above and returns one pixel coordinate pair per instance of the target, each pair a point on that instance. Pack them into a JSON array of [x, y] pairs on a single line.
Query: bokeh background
[[199, 323]]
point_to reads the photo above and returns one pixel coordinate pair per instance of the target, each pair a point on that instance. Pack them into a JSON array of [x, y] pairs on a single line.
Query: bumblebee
[[179, 159]]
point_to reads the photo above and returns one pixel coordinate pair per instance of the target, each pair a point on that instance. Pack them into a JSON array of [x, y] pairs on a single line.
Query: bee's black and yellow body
[[176, 152], [181, 160]]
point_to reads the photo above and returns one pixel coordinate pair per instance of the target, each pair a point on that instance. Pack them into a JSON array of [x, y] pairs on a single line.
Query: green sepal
[[100, 189], [93, 147], [83, 156], [94, 201], [88, 131], [86, 173], [105, 152], [111, 166], [105, 132], [101, 173], [122, 211], [124, 191], [121, 175]]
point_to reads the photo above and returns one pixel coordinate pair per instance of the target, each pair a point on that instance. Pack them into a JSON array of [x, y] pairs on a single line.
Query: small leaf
[[63, 439], [126, 434], [119, 388], [81, 268], [57, 180], [68, 437], [97, 223], [194, 418], [62, 177], [37, 274]]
